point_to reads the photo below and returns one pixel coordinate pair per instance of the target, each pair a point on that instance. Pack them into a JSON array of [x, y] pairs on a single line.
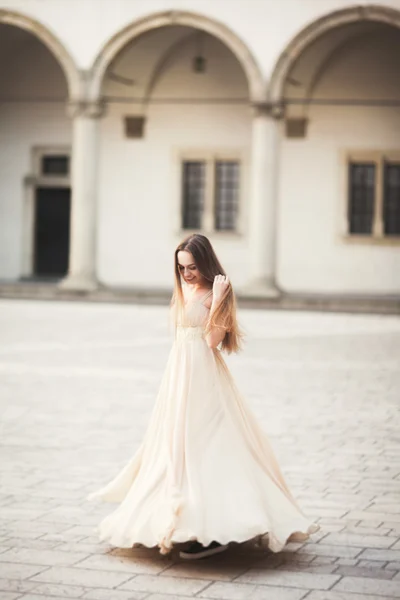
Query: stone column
[[263, 200], [85, 140]]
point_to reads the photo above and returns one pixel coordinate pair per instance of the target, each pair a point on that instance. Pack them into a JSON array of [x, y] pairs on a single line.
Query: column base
[[261, 288], [79, 283]]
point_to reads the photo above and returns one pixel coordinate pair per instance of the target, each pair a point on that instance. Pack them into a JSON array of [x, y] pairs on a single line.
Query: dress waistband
[[189, 333]]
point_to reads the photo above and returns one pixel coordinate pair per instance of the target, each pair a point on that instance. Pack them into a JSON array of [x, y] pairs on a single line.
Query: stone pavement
[[77, 385]]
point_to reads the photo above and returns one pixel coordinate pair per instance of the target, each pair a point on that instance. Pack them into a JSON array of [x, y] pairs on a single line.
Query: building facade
[[272, 127]]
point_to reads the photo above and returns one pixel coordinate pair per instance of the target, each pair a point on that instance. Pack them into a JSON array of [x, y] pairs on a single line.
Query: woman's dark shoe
[[197, 550]]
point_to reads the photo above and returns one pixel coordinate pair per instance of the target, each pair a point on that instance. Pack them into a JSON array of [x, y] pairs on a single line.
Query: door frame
[[31, 182]]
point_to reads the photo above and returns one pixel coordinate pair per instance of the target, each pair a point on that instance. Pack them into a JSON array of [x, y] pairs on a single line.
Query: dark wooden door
[[52, 224]]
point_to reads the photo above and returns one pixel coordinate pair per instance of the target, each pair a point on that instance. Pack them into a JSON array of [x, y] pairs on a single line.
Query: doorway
[[51, 235]]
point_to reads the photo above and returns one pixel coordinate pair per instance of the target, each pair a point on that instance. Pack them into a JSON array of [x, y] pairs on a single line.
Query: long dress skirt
[[205, 470]]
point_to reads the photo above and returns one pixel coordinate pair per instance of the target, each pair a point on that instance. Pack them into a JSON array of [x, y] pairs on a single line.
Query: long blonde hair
[[209, 266]]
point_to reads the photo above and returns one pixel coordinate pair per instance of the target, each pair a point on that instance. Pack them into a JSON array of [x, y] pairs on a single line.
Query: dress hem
[[168, 541]]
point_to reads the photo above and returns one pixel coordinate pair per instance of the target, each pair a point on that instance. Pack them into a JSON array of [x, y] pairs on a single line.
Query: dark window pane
[[362, 177], [55, 165], [226, 195], [193, 194], [391, 199]]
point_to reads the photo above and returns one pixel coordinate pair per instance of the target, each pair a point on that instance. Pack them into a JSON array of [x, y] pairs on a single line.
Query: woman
[[205, 472]]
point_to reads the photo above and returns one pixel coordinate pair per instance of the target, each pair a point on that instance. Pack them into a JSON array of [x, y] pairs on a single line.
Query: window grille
[[55, 165], [373, 201], [391, 198], [226, 195], [193, 193], [361, 197], [210, 194]]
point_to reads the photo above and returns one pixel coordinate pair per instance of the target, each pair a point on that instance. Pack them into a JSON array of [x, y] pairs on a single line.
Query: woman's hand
[[217, 333], [220, 285]]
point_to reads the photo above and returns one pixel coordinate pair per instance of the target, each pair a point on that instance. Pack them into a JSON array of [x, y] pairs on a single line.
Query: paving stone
[[371, 524], [165, 585], [376, 554], [365, 572], [30, 544], [61, 537], [137, 552], [375, 517], [116, 595], [204, 570], [394, 527], [372, 564], [367, 585], [330, 550], [87, 549], [387, 508], [61, 591], [109, 365], [327, 560], [328, 512], [340, 596], [308, 568], [26, 528], [78, 531], [289, 579], [23, 535], [361, 530], [167, 597], [34, 596], [244, 591], [22, 514], [16, 585], [125, 565], [285, 559], [41, 557], [81, 577], [297, 557], [396, 546], [90, 539], [361, 541], [10, 570], [346, 562]]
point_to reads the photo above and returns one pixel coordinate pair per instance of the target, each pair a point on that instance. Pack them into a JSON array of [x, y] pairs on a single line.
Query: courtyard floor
[[77, 386]]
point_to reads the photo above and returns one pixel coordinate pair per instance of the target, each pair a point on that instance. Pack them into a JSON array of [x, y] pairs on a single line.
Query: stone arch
[[374, 13], [162, 63], [215, 28], [51, 42]]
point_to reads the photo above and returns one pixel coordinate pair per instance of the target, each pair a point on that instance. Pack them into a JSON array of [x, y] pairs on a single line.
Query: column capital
[[85, 108], [273, 110]]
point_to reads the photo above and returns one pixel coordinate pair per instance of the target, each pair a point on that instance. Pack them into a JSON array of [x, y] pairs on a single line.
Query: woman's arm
[[217, 334]]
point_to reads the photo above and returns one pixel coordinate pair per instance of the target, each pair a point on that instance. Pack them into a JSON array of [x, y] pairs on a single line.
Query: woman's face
[[187, 268]]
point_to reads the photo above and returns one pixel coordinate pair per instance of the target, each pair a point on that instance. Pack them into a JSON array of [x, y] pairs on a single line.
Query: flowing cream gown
[[205, 470]]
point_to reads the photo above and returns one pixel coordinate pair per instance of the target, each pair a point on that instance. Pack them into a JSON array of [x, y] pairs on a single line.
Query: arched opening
[[38, 77], [184, 19], [177, 133], [340, 162]]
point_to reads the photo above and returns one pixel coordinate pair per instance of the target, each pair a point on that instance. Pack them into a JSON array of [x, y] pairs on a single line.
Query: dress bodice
[[195, 313]]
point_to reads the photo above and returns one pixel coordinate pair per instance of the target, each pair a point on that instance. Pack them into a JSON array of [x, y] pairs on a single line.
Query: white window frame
[[210, 157], [377, 236]]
